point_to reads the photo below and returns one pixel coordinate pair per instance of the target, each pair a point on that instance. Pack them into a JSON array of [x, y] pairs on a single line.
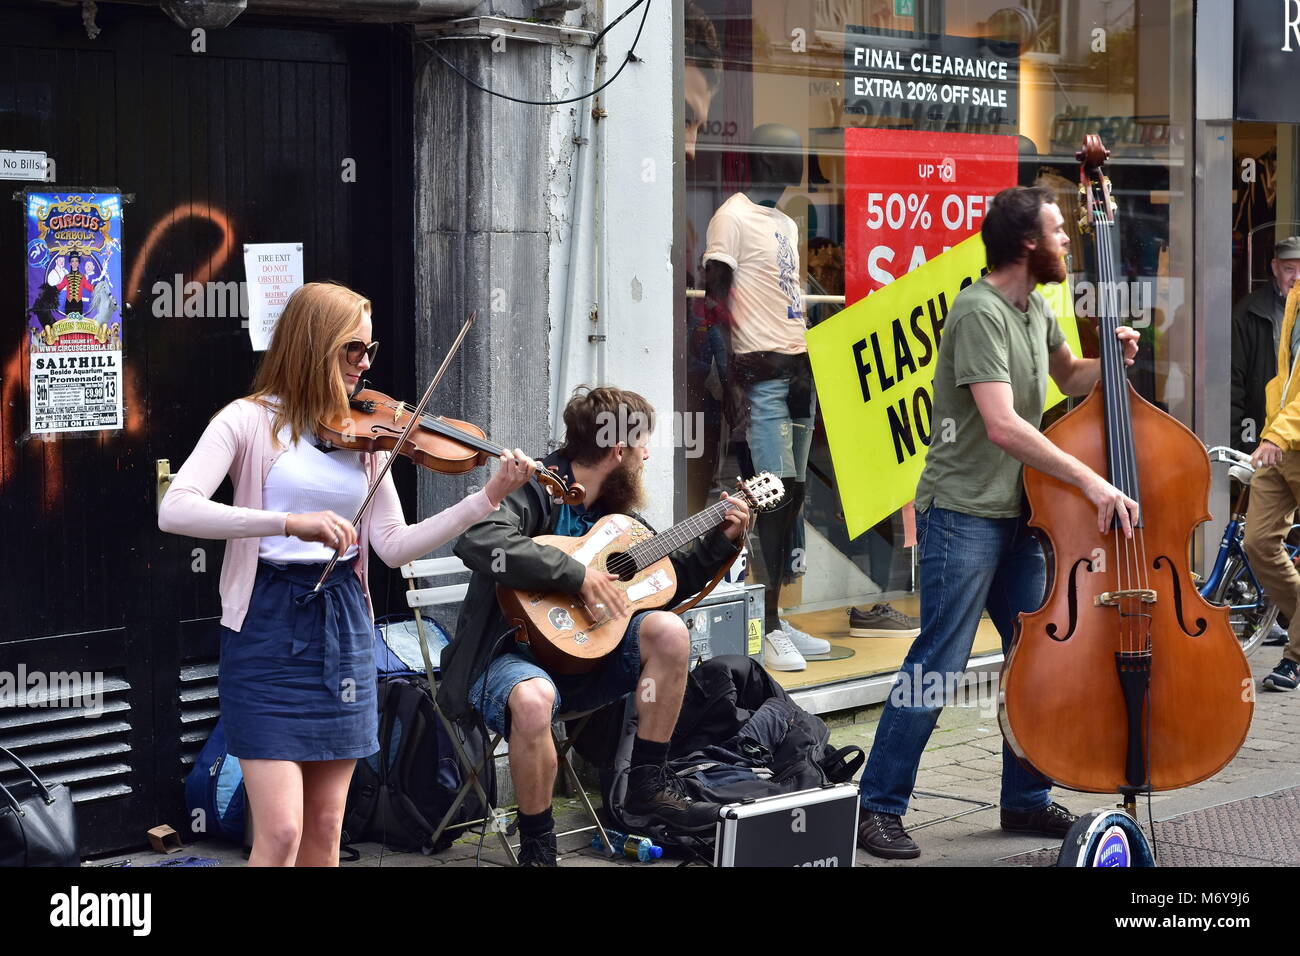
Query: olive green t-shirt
[[985, 339]]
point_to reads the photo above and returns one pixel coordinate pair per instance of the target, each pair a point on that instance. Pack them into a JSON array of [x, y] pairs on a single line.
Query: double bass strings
[[1116, 389], [1135, 637], [1114, 450], [1131, 565]]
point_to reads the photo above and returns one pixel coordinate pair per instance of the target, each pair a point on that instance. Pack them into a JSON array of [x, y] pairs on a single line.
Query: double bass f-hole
[[1073, 596], [1175, 575]]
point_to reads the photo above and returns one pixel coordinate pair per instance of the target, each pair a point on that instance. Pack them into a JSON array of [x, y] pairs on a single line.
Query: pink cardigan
[[238, 443]]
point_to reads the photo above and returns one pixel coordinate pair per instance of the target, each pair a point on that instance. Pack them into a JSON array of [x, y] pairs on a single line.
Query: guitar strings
[[648, 552], [660, 546]]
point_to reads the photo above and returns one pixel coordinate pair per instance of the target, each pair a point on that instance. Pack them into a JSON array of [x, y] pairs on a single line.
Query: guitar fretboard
[[661, 545]]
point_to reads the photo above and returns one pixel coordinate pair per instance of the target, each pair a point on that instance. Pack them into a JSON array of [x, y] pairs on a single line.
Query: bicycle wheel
[[1250, 613]]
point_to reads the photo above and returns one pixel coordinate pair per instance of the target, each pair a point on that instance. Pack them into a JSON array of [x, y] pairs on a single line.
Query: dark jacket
[[1254, 362], [504, 540]]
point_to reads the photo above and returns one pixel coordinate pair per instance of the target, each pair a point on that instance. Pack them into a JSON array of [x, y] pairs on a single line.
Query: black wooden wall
[[242, 143]]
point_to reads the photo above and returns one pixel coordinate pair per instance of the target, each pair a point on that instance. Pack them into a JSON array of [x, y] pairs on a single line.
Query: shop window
[[1121, 70]]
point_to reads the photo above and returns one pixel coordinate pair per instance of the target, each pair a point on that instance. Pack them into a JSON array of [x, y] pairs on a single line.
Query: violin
[[376, 423], [1126, 680]]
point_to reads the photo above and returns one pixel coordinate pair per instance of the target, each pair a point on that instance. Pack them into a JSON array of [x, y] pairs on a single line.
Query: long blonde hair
[[301, 367]]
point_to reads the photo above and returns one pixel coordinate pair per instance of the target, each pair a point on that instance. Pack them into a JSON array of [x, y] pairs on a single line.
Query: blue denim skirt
[[298, 681]]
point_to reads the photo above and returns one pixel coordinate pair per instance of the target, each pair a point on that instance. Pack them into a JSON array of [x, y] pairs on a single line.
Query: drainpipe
[[381, 11], [600, 328], [598, 331], [577, 235]]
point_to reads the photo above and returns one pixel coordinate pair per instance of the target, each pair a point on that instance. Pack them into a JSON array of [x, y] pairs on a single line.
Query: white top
[[304, 479], [237, 444], [761, 245]]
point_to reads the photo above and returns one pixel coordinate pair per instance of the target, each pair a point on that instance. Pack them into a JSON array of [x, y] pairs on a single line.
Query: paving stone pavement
[[1266, 764], [960, 774]]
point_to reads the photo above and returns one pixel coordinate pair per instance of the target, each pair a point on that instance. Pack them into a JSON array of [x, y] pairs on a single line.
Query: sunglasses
[[356, 348]]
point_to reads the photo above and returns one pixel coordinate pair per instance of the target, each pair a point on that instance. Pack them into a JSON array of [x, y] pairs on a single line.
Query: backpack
[[214, 791], [739, 737], [400, 793]]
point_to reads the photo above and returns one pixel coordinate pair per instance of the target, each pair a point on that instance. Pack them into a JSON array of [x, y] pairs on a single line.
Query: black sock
[[536, 824], [648, 752]]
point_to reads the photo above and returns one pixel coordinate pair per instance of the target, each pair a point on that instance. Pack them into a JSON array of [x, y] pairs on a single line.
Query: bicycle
[[1232, 581]]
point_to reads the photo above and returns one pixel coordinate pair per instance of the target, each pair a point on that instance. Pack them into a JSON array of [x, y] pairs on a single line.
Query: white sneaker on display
[[780, 654], [803, 642]]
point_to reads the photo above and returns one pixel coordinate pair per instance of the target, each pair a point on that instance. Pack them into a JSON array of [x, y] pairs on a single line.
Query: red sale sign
[[913, 195]]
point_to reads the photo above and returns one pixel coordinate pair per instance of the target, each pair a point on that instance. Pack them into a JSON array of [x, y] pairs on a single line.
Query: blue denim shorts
[[616, 677]]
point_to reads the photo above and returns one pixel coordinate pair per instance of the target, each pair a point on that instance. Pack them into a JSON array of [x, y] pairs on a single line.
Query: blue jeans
[[616, 677], [777, 442], [968, 565]]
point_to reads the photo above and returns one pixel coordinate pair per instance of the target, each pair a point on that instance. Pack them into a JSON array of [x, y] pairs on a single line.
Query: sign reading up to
[[911, 196]]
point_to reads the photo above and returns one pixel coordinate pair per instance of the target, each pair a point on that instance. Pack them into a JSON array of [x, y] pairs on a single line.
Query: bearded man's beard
[[1046, 266], [622, 491]]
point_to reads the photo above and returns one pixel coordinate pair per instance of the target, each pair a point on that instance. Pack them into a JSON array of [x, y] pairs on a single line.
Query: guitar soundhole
[[617, 562]]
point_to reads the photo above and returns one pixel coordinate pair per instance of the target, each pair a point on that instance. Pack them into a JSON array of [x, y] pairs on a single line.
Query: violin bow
[[416, 417]]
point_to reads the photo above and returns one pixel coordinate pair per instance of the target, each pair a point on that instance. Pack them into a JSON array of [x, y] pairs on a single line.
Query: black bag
[[38, 826], [399, 794], [739, 736]]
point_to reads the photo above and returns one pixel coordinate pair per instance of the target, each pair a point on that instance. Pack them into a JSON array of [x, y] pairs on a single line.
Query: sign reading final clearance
[[874, 368]]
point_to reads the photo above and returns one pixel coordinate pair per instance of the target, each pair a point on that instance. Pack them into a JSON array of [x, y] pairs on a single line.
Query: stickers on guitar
[[659, 581], [602, 538]]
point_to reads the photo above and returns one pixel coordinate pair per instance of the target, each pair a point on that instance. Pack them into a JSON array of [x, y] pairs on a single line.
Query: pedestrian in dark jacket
[[1256, 326], [486, 672]]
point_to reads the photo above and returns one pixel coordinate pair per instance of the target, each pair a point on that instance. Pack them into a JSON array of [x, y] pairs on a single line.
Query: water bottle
[[634, 847]]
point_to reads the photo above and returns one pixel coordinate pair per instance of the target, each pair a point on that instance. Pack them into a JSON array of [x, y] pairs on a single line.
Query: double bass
[[1126, 680]]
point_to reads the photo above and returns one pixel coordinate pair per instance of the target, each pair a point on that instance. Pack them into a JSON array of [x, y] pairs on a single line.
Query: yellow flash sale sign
[[874, 368]]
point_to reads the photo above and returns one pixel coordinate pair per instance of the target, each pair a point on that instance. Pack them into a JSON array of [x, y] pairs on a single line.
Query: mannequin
[[766, 347]]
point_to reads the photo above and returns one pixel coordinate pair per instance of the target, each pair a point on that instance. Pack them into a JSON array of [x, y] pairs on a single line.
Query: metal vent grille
[[73, 741], [199, 709]]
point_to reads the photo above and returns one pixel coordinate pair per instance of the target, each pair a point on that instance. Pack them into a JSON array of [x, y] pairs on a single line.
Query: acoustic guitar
[[564, 634]]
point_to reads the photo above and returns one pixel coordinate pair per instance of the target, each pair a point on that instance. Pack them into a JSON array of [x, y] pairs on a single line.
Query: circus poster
[[74, 318]]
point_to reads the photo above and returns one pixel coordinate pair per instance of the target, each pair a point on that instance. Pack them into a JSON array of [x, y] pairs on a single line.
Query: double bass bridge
[[1112, 598]]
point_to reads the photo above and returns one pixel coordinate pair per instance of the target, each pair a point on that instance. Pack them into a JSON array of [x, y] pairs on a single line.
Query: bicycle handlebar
[[1230, 455]]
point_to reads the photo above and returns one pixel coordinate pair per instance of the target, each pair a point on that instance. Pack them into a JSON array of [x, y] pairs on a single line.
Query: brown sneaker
[[882, 620], [670, 805], [882, 835]]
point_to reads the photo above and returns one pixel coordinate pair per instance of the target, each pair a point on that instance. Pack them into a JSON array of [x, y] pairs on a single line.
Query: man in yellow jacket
[[1274, 495]]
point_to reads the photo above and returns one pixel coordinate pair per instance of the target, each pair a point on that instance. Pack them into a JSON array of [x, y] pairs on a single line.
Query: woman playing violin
[[297, 674]]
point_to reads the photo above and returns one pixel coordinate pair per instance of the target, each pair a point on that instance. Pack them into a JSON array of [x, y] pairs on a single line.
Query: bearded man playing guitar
[[487, 672]]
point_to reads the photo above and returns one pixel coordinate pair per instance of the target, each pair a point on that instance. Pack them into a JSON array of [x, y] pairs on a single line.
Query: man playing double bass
[[1000, 342], [486, 671]]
